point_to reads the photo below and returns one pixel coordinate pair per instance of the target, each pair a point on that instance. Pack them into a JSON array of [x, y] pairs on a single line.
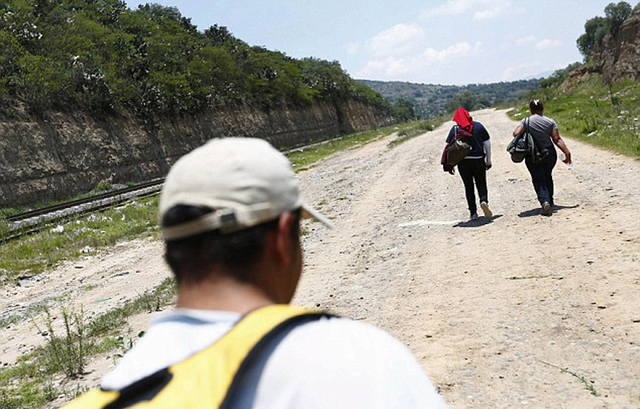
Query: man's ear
[[283, 237]]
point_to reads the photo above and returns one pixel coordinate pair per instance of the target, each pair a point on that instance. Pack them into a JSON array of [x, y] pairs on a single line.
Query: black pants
[[541, 176], [470, 170]]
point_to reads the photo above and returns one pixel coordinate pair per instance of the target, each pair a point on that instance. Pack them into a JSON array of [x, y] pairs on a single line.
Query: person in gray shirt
[[544, 131]]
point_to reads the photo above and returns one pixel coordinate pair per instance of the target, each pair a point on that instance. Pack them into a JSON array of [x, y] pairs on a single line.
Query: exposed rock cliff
[[57, 155], [618, 56]]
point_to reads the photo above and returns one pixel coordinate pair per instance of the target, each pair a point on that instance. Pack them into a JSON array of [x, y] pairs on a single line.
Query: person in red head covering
[[473, 168], [462, 117]]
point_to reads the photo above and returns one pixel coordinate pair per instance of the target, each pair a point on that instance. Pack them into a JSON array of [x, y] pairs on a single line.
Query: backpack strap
[[211, 378]]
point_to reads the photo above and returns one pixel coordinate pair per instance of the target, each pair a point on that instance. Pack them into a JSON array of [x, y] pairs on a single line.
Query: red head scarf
[[463, 119]]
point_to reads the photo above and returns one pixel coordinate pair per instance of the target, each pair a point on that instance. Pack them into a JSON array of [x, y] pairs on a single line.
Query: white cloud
[[399, 39], [481, 9], [449, 8], [487, 14], [352, 48], [432, 55], [508, 74], [479, 48], [394, 67], [547, 44], [390, 67], [520, 71], [526, 40]]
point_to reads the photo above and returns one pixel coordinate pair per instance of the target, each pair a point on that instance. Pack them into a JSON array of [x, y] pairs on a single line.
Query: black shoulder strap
[[260, 348], [149, 387]]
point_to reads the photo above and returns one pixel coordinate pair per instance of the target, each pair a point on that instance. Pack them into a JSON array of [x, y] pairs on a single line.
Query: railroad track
[[62, 206], [34, 220]]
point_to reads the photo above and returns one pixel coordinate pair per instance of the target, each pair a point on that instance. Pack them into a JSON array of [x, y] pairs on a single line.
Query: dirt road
[[517, 311], [488, 306]]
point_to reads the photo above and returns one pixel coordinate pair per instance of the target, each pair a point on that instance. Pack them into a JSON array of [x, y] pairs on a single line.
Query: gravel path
[[488, 306], [517, 311]]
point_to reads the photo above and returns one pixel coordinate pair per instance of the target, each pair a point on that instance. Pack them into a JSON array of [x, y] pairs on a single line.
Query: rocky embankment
[[56, 155], [618, 57]]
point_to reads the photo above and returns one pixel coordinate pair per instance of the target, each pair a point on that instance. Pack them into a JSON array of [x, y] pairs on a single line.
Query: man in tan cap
[[230, 213]]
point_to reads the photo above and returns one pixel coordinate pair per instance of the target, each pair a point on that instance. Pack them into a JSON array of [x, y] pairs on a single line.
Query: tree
[[99, 55], [616, 15], [595, 30], [218, 34], [465, 99], [404, 110], [597, 27], [10, 54]]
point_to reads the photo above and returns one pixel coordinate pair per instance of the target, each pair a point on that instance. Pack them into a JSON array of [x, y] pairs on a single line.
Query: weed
[[30, 311], [5, 228], [103, 186], [24, 385], [590, 125], [150, 301], [50, 392], [46, 249], [7, 402], [587, 383], [67, 353], [413, 130], [304, 159]]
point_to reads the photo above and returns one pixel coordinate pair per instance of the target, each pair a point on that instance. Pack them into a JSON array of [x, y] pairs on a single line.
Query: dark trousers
[[541, 176], [470, 170]]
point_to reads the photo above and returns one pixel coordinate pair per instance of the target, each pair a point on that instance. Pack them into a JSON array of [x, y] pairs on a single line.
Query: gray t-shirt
[[540, 128]]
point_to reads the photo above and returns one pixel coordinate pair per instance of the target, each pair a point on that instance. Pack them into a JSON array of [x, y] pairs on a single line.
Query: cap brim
[[310, 212]]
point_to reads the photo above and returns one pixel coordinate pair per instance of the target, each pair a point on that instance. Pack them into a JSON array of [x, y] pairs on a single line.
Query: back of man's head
[[220, 202]]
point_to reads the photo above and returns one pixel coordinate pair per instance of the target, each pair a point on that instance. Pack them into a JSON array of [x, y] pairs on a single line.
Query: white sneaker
[[485, 209]]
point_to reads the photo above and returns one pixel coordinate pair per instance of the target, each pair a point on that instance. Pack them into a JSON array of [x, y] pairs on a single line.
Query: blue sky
[[434, 42]]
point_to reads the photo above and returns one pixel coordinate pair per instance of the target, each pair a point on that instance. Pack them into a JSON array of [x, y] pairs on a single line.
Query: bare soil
[[520, 310]]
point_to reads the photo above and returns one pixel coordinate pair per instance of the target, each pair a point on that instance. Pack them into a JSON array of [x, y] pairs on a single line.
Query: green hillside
[[431, 100], [598, 101], [99, 55]]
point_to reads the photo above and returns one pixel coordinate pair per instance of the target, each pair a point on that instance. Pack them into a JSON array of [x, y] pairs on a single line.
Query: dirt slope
[[492, 309]]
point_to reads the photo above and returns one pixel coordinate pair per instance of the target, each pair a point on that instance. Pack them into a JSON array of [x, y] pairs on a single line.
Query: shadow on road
[[479, 222], [536, 211]]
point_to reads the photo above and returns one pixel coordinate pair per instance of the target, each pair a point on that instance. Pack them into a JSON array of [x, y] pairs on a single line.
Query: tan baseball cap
[[246, 181]]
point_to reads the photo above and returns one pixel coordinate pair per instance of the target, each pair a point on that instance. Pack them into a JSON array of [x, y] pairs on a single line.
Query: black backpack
[[524, 145]]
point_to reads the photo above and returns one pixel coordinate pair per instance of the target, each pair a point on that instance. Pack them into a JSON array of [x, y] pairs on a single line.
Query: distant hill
[[431, 100], [541, 75]]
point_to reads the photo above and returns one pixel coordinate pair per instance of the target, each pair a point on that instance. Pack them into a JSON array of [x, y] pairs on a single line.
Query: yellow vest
[[206, 379]]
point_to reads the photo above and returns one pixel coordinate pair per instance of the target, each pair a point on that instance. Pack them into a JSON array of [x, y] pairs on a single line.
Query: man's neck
[[221, 294]]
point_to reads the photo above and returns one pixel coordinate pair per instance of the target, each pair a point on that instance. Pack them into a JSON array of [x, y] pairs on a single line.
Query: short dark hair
[[191, 258], [536, 105]]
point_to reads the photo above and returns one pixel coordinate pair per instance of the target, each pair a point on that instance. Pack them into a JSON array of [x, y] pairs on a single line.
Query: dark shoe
[[474, 216], [546, 209], [485, 209]]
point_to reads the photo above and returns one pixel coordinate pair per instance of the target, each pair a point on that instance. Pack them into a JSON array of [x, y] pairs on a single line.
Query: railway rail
[[34, 220]]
